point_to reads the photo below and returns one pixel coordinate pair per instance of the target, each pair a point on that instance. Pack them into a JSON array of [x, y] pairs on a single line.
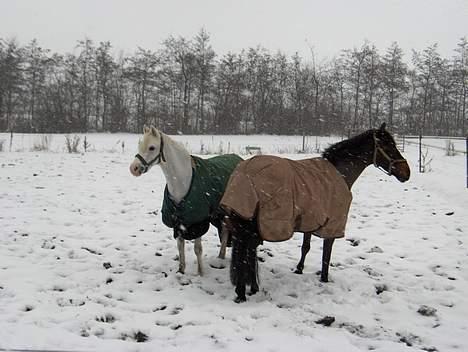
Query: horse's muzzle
[[402, 171], [136, 169]]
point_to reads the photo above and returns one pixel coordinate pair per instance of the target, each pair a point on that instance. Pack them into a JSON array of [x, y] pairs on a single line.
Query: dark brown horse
[[349, 158]]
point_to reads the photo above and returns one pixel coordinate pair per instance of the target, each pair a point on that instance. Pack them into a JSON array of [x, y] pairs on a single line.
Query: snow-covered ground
[[87, 265]]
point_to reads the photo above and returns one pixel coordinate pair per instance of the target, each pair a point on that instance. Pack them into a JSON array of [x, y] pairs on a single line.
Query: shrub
[[426, 160], [72, 143], [42, 144], [450, 148]]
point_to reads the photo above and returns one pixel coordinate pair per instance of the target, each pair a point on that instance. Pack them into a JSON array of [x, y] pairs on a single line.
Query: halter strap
[[379, 149], [156, 160]]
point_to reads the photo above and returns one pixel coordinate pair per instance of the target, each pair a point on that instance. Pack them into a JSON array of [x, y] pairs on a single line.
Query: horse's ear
[[154, 131], [383, 126], [145, 129]]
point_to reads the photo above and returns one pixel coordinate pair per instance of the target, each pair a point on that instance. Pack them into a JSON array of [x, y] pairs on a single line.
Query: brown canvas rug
[[287, 196]]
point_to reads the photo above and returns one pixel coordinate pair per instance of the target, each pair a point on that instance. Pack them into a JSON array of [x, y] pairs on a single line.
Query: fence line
[[433, 137], [434, 146], [420, 144]]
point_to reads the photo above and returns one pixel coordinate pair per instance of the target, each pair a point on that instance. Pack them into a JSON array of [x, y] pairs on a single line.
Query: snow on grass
[[125, 142], [86, 263]]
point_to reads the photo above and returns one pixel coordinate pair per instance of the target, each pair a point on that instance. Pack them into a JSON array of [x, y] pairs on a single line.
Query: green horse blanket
[[201, 203]]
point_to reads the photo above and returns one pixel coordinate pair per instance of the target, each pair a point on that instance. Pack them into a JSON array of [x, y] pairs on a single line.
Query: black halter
[[157, 159], [391, 161]]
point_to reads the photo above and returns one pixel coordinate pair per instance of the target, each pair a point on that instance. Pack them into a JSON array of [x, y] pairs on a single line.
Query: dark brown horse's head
[[387, 157]]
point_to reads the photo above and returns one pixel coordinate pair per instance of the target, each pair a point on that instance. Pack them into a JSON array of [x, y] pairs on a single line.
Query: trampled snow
[[87, 265]]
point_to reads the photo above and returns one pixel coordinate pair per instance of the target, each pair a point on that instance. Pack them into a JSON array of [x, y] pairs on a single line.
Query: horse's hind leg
[[326, 255], [304, 250], [181, 248], [224, 241], [198, 248]]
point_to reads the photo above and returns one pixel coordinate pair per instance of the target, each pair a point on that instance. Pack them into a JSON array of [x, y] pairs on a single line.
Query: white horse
[[178, 167]]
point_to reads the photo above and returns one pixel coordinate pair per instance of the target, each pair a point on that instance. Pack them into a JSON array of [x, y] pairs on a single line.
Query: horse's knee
[[198, 252]]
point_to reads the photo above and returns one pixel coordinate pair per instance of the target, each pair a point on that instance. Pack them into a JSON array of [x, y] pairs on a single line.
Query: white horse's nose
[[135, 169]]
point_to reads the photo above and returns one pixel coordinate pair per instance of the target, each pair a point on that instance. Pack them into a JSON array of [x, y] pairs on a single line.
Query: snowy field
[[87, 265]]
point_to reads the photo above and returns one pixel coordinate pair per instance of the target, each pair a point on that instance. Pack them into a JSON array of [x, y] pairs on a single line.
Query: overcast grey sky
[[289, 26]]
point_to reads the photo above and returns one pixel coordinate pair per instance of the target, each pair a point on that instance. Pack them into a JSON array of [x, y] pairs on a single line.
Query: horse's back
[[208, 183], [287, 195], [220, 164]]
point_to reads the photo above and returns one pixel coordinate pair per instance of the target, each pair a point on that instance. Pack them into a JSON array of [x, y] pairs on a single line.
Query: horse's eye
[[152, 148]]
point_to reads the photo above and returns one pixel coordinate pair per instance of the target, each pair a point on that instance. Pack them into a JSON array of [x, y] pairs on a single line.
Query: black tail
[[238, 257], [244, 263], [252, 262]]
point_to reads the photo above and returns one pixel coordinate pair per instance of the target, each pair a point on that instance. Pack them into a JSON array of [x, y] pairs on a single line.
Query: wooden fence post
[[420, 153]]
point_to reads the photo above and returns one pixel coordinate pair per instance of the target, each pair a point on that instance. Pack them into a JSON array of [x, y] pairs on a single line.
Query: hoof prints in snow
[[427, 311], [108, 318], [136, 336], [326, 321], [120, 284]]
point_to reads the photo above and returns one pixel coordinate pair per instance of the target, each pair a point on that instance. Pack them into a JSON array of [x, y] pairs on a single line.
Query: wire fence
[[402, 140]]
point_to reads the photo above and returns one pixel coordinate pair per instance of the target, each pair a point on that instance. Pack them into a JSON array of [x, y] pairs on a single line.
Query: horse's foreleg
[[181, 248], [199, 253], [326, 255], [304, 250]]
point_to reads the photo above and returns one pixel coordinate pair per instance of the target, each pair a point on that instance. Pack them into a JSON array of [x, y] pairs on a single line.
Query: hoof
[[218, 263], [180, 271], [240, 299], [298, 271], [324, 279], [253, 290]]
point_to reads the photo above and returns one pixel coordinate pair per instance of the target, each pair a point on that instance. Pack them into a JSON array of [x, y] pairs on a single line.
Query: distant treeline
[[184, 87]]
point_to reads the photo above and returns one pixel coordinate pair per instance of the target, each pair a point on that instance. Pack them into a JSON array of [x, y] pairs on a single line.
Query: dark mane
[[349, 147]]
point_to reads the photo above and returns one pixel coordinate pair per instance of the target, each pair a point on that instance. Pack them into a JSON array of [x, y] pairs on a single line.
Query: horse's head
[[150, 151], [387, 156]]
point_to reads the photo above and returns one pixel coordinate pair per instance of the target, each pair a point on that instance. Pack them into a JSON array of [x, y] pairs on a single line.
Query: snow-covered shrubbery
[[72, 143], [42, 143], [450, 148]]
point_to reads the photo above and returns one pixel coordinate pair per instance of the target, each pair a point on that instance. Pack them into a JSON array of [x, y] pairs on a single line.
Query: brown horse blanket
[[286, 196]]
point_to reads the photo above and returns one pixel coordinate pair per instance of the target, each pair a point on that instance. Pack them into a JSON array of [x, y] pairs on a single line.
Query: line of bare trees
[[184, 87]]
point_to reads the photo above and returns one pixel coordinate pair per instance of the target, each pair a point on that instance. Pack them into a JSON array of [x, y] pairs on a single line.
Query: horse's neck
[[177, 169], [351, 170], [353, 166]]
